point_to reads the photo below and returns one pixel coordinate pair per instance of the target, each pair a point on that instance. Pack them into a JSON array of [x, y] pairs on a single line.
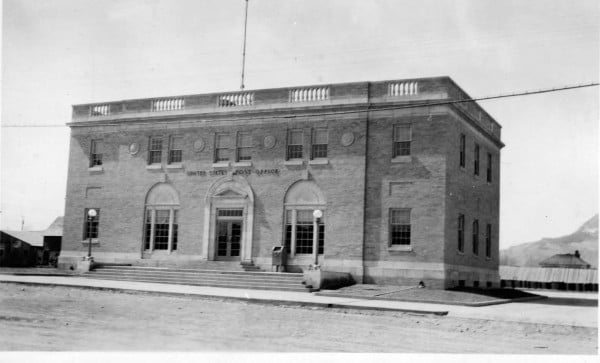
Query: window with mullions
[[399, 227], [319, 144], [489, 167], [295, 142], [96, 153], [155, 150], [476, 160], [244, 146], [222, 151], [156, 235], [304, 232], [90, 228], [463, 141], [461, 232], [476, 237], [402, 140], [176, 149], [488, 240]]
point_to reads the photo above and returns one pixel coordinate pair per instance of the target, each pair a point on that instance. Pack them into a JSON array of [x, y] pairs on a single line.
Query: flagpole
[[244, 51]]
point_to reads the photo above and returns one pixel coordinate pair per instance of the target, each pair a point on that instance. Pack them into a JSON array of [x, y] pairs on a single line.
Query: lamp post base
[[85, 264]]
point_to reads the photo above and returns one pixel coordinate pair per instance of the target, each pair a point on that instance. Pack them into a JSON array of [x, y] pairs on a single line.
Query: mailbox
[[279, 256]]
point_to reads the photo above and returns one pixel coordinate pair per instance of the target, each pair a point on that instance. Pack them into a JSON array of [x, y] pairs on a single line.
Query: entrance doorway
[[229, 234]]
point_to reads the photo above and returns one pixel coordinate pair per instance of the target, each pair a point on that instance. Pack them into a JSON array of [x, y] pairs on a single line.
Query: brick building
[[406, 192]]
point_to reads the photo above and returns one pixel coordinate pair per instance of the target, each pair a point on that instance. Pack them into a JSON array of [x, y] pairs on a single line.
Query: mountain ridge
[[530, 254]]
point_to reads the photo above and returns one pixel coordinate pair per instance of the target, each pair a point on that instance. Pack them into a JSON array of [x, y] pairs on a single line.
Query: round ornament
[[199, 145], [269, 141], [134, 147], [347, 138]]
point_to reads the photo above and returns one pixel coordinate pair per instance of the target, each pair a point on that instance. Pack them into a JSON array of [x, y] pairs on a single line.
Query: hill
[[585, 240]]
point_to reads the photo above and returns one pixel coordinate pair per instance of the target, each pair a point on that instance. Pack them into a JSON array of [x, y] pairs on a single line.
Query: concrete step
[[235, 285], [199, 277], [196, 277], [200, 271]]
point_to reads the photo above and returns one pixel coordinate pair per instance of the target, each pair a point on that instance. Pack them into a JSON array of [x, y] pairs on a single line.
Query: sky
[[57, 53]]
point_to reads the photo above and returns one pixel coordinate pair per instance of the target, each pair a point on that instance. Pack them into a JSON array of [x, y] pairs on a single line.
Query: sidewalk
[[546, 311]]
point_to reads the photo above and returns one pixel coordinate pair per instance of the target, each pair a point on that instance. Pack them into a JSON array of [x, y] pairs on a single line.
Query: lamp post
[[91, 215]]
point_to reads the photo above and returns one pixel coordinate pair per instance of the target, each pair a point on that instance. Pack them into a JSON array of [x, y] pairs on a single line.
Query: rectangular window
[[461, 232], [90, 227], [399, 227], [319, 143], [222, 143], [488, 241], [295, 142], [155, 150], [476, 237], [96, 153], [161, 230], [176, 149], [148, 229], [244, 146], [175, 228], [402, 140], [304, 231], [476, 160], [489, 167], [462, 150], [288, 231]]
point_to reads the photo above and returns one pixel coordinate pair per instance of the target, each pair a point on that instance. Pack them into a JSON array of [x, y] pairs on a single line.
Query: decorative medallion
[[134, 147], [347, 138], [269, 141], [199, 145]]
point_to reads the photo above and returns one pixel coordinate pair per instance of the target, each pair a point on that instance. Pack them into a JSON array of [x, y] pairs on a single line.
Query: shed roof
[[33, 238], [565, 260], [55, 229]]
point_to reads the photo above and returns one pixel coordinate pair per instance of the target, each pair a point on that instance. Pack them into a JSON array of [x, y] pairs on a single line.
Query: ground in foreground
[[72, 319]]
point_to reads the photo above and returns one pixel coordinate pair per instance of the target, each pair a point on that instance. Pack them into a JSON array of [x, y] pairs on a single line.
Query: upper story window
[[476, 160], [476, 237], [402, 140], [295, 142], [461, 232], [488, 240], [244, 146], [155, 150], [96, 153], [319, 143], [489, 168], [463, 141], [399, 227], [90, 225], [176, 149], [222, 143]]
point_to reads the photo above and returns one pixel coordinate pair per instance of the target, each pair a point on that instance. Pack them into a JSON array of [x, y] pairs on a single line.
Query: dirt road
[[71, 319]]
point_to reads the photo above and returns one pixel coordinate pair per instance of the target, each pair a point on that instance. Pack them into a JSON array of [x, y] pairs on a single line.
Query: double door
[[229, 237]]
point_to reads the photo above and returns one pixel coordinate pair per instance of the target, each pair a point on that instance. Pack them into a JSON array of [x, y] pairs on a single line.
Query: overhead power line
[[414, 105]]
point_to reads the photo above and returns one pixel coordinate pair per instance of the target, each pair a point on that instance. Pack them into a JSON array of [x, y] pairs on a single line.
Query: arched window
[[160, 218], [301, 226]]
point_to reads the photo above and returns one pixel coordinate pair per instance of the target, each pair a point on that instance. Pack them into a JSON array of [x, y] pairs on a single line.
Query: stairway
[[197, 277]]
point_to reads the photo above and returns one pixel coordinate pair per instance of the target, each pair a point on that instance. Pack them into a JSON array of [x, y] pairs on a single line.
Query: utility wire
[[398, 107]]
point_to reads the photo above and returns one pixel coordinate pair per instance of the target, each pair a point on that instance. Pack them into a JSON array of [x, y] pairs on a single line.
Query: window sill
[[221, 165], [318, 162], [460, 253], [175, 166], [96, 169], [293, 162], [242, 164], [402, 159], [401, 248], [94, 242], [154, 167]]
